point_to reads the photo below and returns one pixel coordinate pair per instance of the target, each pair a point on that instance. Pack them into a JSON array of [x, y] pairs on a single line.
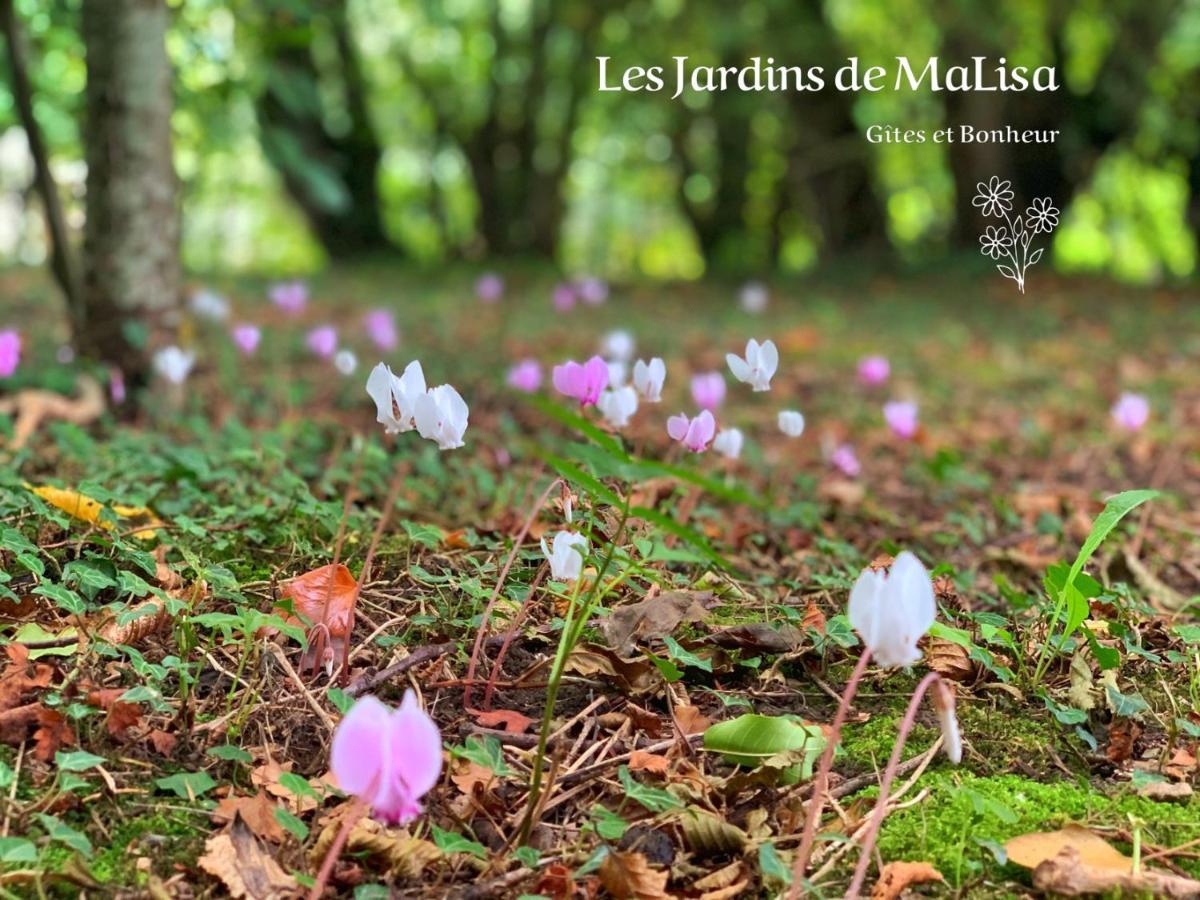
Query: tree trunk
[[131, 241], [62, 262]]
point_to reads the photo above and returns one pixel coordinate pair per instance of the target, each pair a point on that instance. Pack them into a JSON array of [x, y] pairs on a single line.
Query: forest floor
[[154, 742]]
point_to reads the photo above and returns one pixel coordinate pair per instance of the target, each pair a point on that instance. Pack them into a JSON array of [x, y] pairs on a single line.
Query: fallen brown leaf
[[238, 860], [1067, 874], [258, 812], [325, 598], [163, 742], [640, 760], [628, 876], [948, 659], [405, 855], [508, 719], [654, 618], [31, 406], [53, 733], [1030, 850], [897, 876], [691, 720]]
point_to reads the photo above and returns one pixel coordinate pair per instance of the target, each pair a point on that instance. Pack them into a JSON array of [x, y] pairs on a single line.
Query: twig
[[418, 656]]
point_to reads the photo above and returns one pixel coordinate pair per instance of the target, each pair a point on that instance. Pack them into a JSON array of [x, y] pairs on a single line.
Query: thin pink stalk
[[816, 801], [335, 849], [498, 665], [491, 604], [885, 786]]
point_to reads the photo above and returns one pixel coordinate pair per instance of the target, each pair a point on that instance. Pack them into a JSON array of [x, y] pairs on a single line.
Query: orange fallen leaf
[[691, 720], [895, 878], [640, 760], [257, 811], [1029, 850], [628, 876], [509, 719], [323, 601], [53, 733], [163, 742]]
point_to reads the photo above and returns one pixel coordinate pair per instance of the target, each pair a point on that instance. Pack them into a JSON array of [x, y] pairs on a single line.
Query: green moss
[[965, 815], [869, 745]]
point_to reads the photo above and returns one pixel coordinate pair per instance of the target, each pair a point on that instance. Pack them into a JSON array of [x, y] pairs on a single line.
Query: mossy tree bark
[[131, 240]]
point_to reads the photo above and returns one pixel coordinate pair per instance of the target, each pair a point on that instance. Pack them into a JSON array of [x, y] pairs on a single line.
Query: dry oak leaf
[[1030, 850], [405, 855], [1068, 875], [628, 876], [948, 659], [691, 720], [895, 877], [242, 864], [1122, 735], [556, 882], [258, 812], [266, 777], [163, 742], [33, 405], [54, 732], [640, 760], [507, 719], [653, 618], [469, 776], [326, 596]]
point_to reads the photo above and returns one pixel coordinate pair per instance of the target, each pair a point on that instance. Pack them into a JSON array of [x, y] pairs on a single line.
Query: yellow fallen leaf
[[1030, 850], [84, 508]]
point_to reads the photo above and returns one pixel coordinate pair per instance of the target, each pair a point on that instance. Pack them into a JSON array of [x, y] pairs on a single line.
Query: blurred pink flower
[[490, 287], [10, 352], [390, 758], [246, 337], [1131, 411], [322, 341], [846, 461], [901, 417], [381, 329], [290, 296], [694, 434], [563, 297], [116, 386], [592, 291], [874, 370], [708, 389], [585, 382], [525, 376]]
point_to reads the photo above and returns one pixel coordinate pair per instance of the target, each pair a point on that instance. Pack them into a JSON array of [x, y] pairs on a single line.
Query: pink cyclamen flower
[[1131, 411], [490, 287], [116, 386], [585, 382], [525, 376], [563, 297], [845, 460], [708, 390], [874, 370], [246, 337], [388, 757], [901, 417], [10, 352], [322, 341], [694, 434], [381, 329], [290, 296], [592, 291]]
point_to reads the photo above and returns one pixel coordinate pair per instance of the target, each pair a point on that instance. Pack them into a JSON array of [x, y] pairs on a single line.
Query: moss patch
[[965, 816]]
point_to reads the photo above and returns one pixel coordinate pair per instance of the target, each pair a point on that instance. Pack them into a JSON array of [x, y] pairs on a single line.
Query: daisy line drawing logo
[[1011, 244]]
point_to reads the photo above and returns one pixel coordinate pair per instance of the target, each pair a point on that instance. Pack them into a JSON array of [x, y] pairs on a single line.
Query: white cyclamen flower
[[441, 416], [754, 297], [791, 423], [618, 369], [396, 397], [758, 366], [648, 379], [617, 406], [566, 557], [345, 362], [617, 345], [209, 305], [892, 610], [943, 703], [728, 443], [174, 364]]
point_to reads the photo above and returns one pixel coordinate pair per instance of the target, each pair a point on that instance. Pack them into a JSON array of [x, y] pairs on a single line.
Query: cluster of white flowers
[[404, 403]]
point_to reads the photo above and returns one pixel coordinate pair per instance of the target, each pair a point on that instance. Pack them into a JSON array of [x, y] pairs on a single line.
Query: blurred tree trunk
[[62, 261], [331, 173], [131, 241]]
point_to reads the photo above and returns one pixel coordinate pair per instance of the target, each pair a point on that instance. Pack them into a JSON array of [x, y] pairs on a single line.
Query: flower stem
[[885, 785], [816, 800], [335, 849]]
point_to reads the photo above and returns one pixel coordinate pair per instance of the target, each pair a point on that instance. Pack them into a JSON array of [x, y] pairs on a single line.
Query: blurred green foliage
[[465, 129]]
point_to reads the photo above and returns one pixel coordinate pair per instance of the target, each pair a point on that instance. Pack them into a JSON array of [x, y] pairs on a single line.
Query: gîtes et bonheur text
[[765, 75]]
